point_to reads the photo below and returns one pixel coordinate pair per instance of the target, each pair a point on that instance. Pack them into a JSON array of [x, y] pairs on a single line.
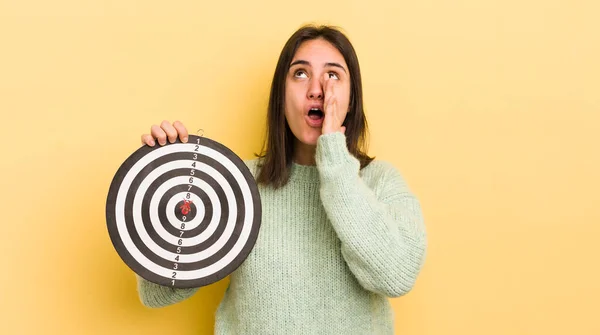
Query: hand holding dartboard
[[183, 214]]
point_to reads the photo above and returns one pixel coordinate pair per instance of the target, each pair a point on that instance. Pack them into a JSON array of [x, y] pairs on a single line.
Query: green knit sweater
[[334, 243]]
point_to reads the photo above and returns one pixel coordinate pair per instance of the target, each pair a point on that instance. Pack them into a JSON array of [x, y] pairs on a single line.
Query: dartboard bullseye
[[183, 214]]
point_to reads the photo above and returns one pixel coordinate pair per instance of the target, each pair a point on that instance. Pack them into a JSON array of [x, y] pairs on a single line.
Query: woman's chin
[[309, 138]]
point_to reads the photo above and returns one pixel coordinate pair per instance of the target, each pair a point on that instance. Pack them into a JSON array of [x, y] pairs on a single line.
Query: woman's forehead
[[318, 52]]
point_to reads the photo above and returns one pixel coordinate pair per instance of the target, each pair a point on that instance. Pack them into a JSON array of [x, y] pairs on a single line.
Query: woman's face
[[315, 63]]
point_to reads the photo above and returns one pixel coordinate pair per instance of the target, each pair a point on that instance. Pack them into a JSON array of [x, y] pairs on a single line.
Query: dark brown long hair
[[278, 148]]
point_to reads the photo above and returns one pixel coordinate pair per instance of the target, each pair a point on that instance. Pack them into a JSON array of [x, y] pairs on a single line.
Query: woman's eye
[[300, 74], [333, 75]]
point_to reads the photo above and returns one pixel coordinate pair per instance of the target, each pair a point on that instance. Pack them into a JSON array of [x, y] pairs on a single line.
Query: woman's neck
[[304, 154]]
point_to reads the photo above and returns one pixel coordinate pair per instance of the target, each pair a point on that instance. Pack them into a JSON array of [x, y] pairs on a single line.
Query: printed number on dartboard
[[184, 218], [175, 267]]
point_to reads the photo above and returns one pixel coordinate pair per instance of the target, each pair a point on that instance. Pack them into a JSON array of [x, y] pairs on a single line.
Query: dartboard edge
[[183, 215]]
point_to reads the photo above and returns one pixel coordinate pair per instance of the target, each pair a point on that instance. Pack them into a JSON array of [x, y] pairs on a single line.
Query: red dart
[[185, 208]]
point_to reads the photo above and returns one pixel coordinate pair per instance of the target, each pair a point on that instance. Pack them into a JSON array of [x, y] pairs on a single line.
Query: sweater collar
[[306, 173]]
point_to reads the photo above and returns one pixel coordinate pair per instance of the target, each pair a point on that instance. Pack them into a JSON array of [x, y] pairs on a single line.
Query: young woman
[[340, 231]]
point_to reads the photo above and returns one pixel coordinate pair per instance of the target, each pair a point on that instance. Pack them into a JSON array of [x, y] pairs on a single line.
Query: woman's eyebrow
[[300, 61], [303, 62], [336, 65]]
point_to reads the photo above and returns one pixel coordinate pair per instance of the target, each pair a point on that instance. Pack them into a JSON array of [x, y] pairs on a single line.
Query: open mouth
[[315, 114]]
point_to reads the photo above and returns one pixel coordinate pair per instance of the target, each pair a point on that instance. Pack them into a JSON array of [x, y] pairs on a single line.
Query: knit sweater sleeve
[[153, 295], [382, 233]]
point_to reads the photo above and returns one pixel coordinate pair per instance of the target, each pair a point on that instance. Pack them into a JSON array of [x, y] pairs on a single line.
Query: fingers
[[148, 140], [330, 101], [331, 106], [169, 130], [329, 92], [181, 130], [165, 132], [333, 117], [159, 134]]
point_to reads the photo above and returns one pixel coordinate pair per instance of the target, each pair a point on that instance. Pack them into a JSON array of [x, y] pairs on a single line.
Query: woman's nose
[[315, 91]]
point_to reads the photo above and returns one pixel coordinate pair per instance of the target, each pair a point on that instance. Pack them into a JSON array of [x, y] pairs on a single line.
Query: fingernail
[[185, 139], [152, 143]]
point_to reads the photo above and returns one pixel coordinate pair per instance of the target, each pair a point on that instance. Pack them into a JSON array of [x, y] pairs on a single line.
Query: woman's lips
[[314, 122]]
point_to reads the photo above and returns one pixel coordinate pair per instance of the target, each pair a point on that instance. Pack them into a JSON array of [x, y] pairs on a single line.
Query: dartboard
[[184, 214]]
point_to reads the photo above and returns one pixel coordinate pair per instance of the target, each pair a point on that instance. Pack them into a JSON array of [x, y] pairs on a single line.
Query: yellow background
[[491, 110]]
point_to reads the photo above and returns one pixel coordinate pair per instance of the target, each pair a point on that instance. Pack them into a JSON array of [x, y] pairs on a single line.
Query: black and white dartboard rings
[[184, 214]]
